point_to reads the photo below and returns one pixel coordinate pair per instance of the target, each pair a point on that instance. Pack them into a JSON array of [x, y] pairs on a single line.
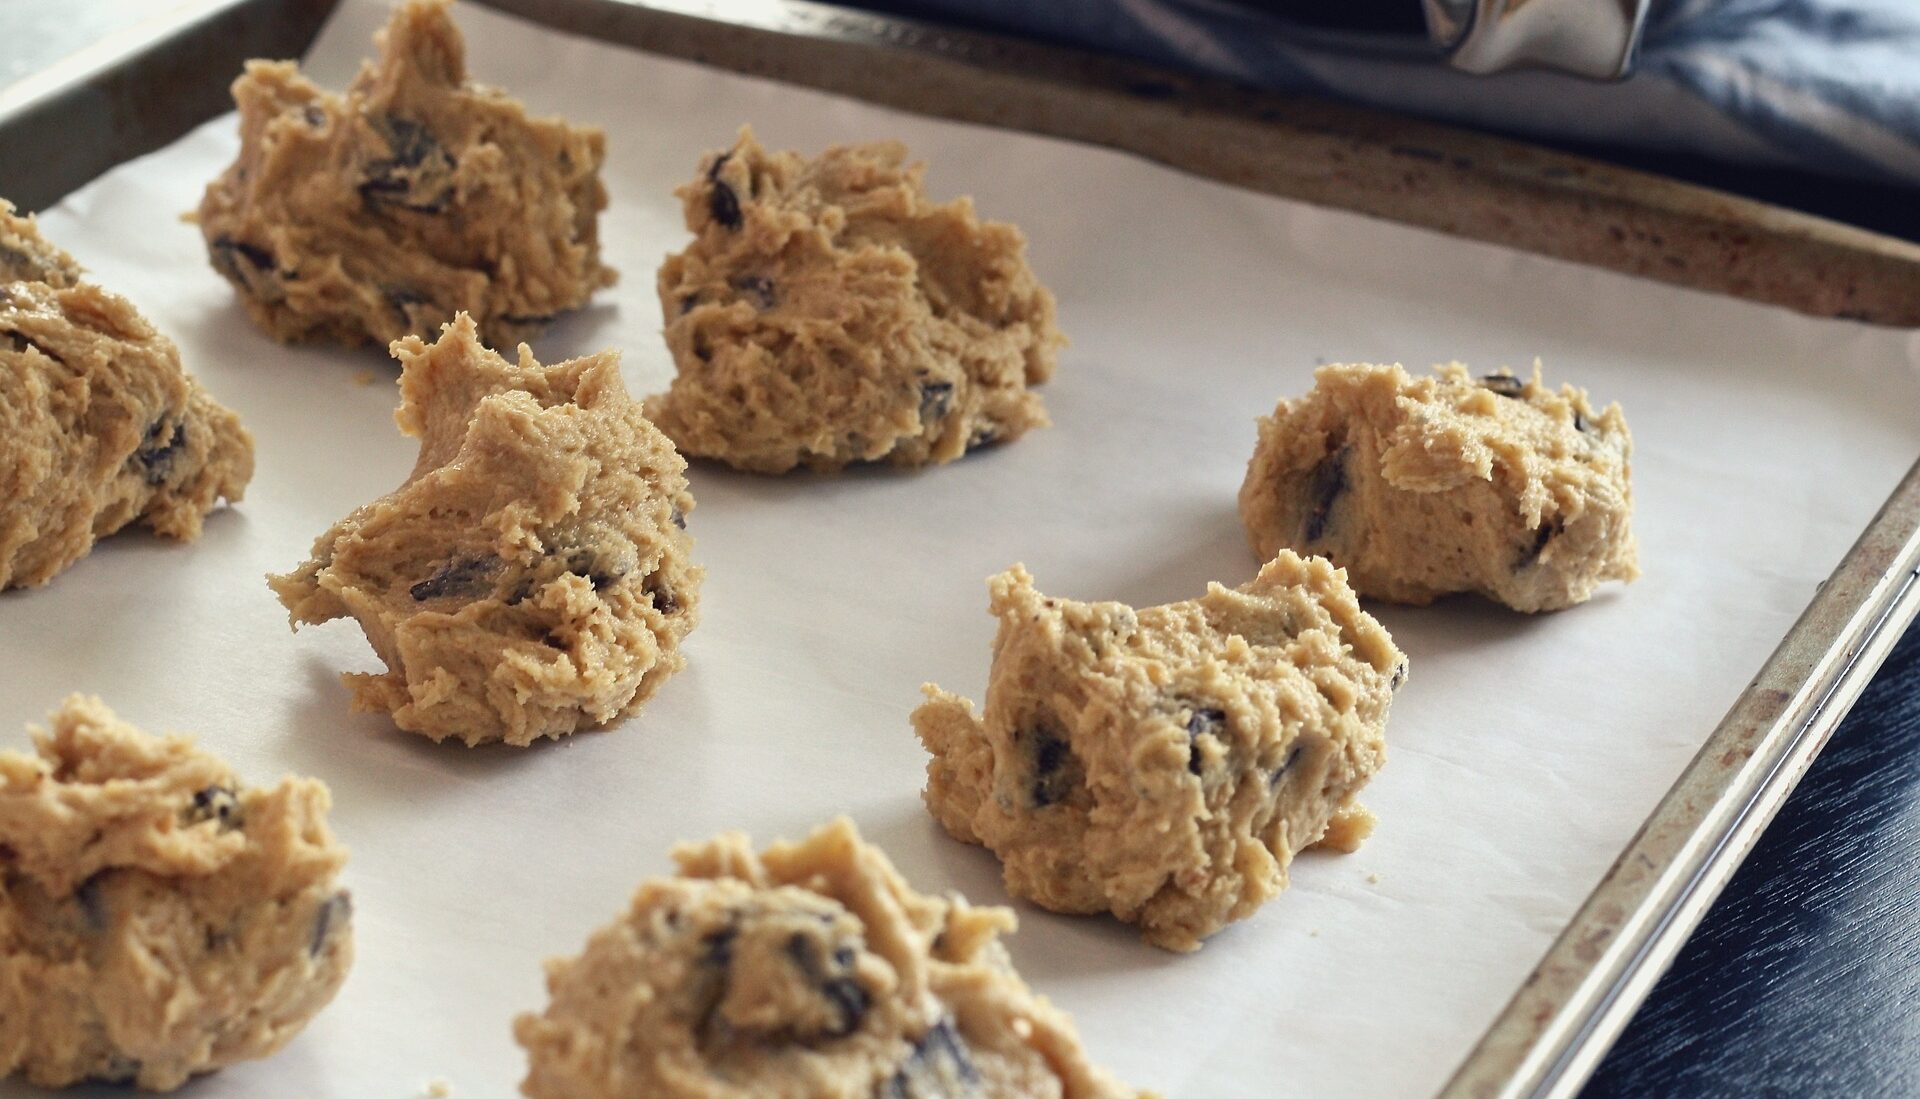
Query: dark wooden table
[[1804, 980]]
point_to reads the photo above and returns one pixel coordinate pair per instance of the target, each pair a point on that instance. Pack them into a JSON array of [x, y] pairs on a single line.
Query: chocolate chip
[[1325, 485], [19, 341], [155, 457], [602, 567], [19, 266], [678, 518], [1582, 424], [720, 946], [402, 299], [1052, 776], [1504, 384], [722, 203], [38, 265], [757, 287], [1545, 533], [1399, 676], [314, 116], [984, 435], [418, 176], [1204, 722], [459, 578], [850, 1001], [93, 907], [215, 803], [119, 1069], [936, 400], [333, 914], [1280, 772], [248, 265], [663, 599], [938, 1067]]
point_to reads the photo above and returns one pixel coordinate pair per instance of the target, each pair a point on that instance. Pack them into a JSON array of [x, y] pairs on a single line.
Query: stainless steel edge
[[138, 90], [1552, 1034]]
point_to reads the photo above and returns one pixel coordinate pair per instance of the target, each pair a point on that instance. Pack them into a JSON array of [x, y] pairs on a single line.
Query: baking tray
[[144, 87]]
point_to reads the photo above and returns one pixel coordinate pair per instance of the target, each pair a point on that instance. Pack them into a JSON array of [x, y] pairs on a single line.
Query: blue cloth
[[1831, 86]]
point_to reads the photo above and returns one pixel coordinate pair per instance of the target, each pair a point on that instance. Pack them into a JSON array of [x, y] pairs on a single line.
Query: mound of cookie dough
[[811, 971], [1165, 765], [417, 195], [157, 918], [1420, 487], [99, 426], [531, 577], [827, 312]]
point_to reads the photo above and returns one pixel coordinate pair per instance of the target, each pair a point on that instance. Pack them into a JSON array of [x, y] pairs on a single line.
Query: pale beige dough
[[827, 312], [99, 425], [157, 919], [810, 971], [417, 195], [531, 577], [1166, 765], [1420, 487]]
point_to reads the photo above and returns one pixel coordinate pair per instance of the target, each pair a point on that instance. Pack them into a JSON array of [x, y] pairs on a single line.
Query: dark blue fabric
[[1831, 86]]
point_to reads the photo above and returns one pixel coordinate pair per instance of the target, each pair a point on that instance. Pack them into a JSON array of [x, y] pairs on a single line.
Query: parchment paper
[[1523, 753]]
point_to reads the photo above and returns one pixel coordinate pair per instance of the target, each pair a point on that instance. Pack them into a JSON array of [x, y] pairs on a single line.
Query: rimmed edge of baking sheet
[[1314, 150], [1564, 1016]]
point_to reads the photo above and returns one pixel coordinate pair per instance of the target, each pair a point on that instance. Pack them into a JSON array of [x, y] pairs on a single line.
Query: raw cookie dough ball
[[828, 313], [415, 196], [99, 426], [811, 971], [1166, 765], [1419, 487], [531, 577], [157, 919]]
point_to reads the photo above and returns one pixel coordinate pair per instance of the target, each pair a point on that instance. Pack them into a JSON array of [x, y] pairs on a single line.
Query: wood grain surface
[[1804, 980]]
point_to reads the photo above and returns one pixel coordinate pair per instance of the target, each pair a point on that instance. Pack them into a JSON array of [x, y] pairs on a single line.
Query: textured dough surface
[[1420, 487], [811, 971], [417, 195], [1165, 765], [99, 425], [827, 312], [531, 577], [157, 918]]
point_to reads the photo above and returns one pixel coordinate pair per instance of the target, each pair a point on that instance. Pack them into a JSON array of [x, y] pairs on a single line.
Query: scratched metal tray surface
[[144, 87]]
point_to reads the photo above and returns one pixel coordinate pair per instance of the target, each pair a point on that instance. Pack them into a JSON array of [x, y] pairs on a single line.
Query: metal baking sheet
[[469, 869]]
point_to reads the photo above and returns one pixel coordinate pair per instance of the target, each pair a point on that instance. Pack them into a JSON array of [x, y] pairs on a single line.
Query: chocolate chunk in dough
[[417, 195]]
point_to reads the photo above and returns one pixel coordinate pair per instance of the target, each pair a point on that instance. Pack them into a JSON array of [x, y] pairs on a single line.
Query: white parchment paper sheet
[[1524, 751]]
